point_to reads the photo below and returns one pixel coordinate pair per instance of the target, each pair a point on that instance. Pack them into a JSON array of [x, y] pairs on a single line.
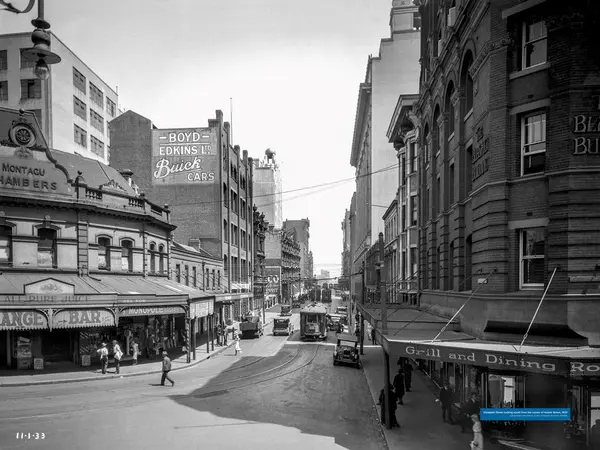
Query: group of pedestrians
[[397, 390], [468, 415]]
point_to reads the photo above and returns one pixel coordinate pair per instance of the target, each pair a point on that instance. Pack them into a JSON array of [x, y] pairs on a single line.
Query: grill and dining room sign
[[550, 365]]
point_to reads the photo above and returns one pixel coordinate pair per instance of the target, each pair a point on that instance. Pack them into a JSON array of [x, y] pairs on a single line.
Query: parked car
[[346, 351], [283, 326]]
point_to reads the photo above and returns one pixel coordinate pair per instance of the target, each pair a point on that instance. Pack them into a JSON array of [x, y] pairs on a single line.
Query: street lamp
[[40, 53]]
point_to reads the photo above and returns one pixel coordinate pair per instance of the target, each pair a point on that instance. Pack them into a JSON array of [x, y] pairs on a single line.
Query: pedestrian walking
[[445, 399], [218, 333], [238, 349], [399, 386], [391, 407], [373, 336], [408, 369], [166, 368], [136, 351], [467, 410], [117, 355], [477, 442], [103, 352]]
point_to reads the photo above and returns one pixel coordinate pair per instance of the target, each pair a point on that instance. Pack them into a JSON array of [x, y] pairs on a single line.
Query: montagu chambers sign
[[184, 156]]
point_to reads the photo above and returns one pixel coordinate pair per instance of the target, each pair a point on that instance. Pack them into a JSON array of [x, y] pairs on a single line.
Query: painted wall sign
[[497, 360], [153, 311], [586, 131], [81, 318], [184, 156], [22, 320], [34, 176], [479, 158], [273, 278]]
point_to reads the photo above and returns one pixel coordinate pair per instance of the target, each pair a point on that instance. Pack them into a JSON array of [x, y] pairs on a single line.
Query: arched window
[[438, 147], [46, 253], [127, 255], [5, 246], [450, 109], [152, 257], [103, 253], [161, 259], [467, 83], [426, 149]]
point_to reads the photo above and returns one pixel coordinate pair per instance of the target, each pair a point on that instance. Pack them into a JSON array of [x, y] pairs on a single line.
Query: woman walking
[[117, 354], [477, 442], [238, 349], [136, 351]]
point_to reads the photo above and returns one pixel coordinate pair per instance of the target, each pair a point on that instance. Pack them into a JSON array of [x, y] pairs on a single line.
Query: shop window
[[161, 259], [152, 257], [5, 246], [535, 44], [506, 391], [104, 253], [126, 255], [533, 143], [46, 253], [532, 255]]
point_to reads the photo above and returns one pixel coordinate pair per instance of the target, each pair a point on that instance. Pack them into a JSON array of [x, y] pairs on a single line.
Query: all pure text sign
[[184, 156]]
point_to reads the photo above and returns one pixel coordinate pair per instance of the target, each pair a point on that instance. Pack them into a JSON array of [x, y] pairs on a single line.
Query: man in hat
[[103, 352], [166, 368]]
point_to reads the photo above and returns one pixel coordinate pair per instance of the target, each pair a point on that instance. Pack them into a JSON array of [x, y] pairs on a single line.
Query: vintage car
[[282, 326], [296, 304], [346, 351], [342, 310], [333, 321], [286, 310]]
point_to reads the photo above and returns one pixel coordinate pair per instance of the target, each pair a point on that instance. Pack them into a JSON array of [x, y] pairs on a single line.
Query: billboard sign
[[184, 156], [273, 278]]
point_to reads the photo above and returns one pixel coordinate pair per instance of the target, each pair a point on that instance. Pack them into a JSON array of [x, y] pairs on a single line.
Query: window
[[506, 391], [426, 149], [534, 44], [187, 275], [533, 139], [218, 278], [225, 231], [468, 169], [438, 196], [3, 90], [80, 136], [126, 255], [3, 60], [243, 209], [111, 108], [31, 89], [413, 210], [79, 80], [414, 260], [79, 108], [468, 264], [467, 83], [225, 196], [532, 252], [208, 279], [416, 21], [225, 265], [46, 253], [152, 257], [161, 259], [25, 64], [97, 121], [178, 273], [104, 253], [96, 95], [450, 109], [451, 184], [97, 146], [195, 276], [214, 279], [451, 266], [5, 246]]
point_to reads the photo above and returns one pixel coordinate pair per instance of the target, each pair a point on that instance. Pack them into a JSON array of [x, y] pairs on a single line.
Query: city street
[[276, 394]]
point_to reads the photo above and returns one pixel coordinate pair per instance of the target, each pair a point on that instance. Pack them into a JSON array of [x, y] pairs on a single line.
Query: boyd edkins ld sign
[[551, 365]]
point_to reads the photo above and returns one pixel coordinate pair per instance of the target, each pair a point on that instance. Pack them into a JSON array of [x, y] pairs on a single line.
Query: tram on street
[[313, 322]]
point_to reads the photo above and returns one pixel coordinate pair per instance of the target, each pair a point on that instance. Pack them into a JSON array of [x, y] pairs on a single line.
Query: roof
[[403, 107], [188, 248], [314, 308], [94, 172]]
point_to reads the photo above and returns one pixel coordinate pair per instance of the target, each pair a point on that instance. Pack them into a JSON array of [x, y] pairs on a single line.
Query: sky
[[291, 68]]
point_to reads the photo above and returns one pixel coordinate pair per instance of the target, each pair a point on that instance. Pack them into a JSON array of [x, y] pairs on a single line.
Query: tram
[[313, 322]]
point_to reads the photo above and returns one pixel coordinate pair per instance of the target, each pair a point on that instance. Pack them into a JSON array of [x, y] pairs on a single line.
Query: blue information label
[[526, 414]]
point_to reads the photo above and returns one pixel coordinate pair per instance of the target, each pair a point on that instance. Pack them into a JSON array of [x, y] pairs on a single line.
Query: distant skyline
[[292, 69]]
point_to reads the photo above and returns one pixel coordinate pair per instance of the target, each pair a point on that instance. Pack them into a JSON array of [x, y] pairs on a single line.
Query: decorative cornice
[[112, 185]]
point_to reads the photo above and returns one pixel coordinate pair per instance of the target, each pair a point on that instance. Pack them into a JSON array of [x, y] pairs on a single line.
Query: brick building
[[207, 184]]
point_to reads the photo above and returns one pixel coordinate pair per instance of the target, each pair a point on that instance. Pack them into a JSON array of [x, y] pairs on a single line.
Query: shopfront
[[231, 307], [537, 377], [202, 320], [20, 337]]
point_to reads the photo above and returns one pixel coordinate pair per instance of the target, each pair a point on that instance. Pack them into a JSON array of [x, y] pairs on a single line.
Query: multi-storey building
[[267, 186], [345, 276], [73, 106], [393, 72], [290, 266], [508, 119], [85, 258], [403, 133], [391, 253], [302, 227], [207, 184], [259, 282]]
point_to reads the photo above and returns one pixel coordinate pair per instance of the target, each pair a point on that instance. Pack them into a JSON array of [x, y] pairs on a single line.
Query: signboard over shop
[[184, 156], [82, 318], [152, 311], [34, 176], [22, 320]]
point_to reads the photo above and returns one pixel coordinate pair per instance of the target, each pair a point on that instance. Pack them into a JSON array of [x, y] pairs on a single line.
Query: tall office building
[[267, 189]]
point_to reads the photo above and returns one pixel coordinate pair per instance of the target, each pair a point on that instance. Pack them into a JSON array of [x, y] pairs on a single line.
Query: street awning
[[228, 298]]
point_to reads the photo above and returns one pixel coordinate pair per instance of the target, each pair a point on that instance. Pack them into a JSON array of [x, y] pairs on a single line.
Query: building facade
[[403, 134], [73, 106], [302, 232], [180, 166], [391, 252], [268, 189], [85, 258], [291, 280], [344, 281], [259, 229]]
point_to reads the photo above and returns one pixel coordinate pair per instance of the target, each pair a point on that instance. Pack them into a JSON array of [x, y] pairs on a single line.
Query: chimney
[[127, 174], [195, 242]]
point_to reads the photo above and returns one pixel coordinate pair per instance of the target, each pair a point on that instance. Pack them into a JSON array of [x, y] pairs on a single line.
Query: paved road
[[278, 394]]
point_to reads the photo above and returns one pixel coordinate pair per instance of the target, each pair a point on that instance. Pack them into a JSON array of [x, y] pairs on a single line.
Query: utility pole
[[382, 286]]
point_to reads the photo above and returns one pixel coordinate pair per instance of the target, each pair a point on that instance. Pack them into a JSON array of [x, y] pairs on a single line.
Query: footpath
[[72, 373], [420, 418]]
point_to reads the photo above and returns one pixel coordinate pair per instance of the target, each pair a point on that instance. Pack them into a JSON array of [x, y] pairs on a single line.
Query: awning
[[83, 318], [23, 320], [201, 308], [228, 298]]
